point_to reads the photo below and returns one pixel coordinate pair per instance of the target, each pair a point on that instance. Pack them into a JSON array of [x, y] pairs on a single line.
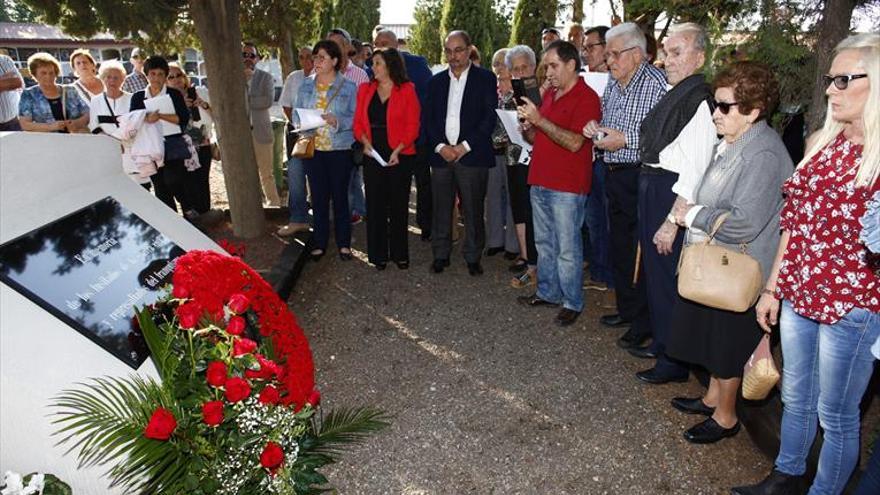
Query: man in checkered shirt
[[634, 88]]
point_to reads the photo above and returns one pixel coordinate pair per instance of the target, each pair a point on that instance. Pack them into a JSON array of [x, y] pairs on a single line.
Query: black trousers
[[471, 183], [622, 188], [387, 195], [521, 204], [655, 202], [170, 184], [421, 171], [198, 182]]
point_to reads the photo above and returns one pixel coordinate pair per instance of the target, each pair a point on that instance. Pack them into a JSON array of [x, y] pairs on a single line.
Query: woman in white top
[[85, 69]]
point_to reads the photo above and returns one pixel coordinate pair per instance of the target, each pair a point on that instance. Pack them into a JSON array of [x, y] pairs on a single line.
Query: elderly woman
[[387, 122], [827, 281], [87, 83], [520, 61], [329, 170], [49, 107], [172, 115], [742, 187], [200, 129]]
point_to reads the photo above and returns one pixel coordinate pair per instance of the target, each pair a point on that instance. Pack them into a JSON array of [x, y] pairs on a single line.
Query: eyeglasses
[[457, 50], [724, 106], [615, 54], [174, 76], [841, 82], [248, 55], [549, 30], [589, 46]]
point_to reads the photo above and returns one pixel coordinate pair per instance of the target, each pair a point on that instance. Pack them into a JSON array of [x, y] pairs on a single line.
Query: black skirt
[[720, 341]]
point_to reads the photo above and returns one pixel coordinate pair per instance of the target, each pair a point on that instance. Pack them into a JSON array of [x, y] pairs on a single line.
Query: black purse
[[176, 148]]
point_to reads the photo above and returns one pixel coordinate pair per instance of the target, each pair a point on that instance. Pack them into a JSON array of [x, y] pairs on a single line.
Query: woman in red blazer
[[386, 121]]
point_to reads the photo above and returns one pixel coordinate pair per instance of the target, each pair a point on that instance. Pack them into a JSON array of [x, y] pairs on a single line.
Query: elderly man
[[419, 73], [358, 76], [460, 120], [137, 80], [296, 175], [11, 84], [677, 141], [635, 87], [260, 96], [559, 174]]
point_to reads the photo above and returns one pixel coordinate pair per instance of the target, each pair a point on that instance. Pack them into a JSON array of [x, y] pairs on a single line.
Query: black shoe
[[631, 339], [776, 483], [403, 265], [438, 265], [381, 266], [426, 236], [692, 406], [494, 250], [710, 431], [566, 317], [475, 269], [534, 300], [519, 266], [510, 256], [654, 377], [643, 352], [345, 256], [613, 321]]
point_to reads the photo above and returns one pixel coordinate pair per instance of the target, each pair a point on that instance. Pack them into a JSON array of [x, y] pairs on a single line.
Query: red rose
[[243, 346], [212, 412], [237, 389], [272, 456], [161, 425], [238, 303], [216, 374], [189, 314], [235, 325], [314, 398], [269, 395], [268, 368], [180, 292]]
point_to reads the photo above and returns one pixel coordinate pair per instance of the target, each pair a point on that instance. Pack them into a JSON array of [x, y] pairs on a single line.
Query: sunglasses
[[175, 76], [724, 106], [841, 82], [546, 31], [248, 55]]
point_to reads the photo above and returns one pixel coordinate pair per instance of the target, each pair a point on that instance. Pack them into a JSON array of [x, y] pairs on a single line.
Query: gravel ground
[[490, 396]]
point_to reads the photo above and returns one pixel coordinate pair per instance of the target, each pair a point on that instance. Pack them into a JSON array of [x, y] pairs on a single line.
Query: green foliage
[[425, 38], [780, 46], [323, 20], [502, 19], [270, 23], [358, 17], [342, 428], [529, 18], [16, 11], [474, 17]]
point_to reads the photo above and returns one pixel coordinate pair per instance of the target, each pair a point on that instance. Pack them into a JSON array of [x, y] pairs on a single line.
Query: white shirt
[[165, 106], [9, 99], [291, 88], [690, 153], [453, 109], [98, 107]]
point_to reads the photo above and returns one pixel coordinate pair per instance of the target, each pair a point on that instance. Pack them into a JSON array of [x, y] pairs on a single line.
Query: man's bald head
[[385, 38]]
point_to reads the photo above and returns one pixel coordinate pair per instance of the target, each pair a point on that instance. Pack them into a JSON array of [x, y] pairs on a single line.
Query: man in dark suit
[[460, 118]]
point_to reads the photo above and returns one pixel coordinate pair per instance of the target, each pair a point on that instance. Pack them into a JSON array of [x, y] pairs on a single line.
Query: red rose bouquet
[[235, 412]]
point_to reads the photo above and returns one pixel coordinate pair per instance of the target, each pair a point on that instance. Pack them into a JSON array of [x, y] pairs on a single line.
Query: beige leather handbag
[[719, 277]]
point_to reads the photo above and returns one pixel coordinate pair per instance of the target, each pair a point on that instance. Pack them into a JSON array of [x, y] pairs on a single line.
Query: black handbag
[[176, 148]]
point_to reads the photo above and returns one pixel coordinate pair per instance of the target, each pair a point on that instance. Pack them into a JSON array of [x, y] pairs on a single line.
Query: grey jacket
[[260, 96], [746, 181]]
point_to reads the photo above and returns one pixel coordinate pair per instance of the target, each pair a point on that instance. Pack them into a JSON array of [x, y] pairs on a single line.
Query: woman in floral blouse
[[828, 283]]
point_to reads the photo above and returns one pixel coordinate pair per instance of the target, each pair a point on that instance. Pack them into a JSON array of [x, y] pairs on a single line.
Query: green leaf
[[344, 427]]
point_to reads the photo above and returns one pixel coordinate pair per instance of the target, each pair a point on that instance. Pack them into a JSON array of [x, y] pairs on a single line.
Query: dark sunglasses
[[841, 82], [549, 30], [724, 106], [248, 55]]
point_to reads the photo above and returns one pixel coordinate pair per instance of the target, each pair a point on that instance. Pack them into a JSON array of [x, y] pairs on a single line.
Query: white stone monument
[[44, 177]]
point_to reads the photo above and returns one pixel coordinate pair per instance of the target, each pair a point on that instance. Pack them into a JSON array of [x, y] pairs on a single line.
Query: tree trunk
[[286, 54], [577, 12], [217, 25], [833, 27]]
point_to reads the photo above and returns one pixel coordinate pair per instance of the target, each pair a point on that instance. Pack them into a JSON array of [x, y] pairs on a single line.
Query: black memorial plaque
[[90, 269]]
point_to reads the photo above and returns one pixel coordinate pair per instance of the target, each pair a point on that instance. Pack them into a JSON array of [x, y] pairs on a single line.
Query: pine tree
[[358, 17], [425, 38], [474, 17], [529, 18]]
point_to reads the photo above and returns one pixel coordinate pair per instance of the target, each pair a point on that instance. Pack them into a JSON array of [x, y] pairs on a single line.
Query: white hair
[[109, 65], [698, 35], [520, 51], [631, 34], [868, 46]]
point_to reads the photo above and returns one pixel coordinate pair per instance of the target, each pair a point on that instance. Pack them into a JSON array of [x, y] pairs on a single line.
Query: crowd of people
[[655, 160]]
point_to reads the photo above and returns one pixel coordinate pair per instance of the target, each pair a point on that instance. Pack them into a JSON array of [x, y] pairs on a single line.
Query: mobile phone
[[598, 136], [528, 87], [194, 111]]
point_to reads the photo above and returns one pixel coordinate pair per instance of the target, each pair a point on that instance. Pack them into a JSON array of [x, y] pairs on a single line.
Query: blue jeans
[[596, 220], [557, 217], [826, 370], [356, 192], [329, 173], [296, 185]]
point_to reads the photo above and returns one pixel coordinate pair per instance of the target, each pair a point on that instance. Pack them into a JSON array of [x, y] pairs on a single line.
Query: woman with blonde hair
[[87, 83], [826, 282]]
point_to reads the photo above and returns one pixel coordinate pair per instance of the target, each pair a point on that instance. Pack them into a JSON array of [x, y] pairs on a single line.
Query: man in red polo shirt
[[560, 173]]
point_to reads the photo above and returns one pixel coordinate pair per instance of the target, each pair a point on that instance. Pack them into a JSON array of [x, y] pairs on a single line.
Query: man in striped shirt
[[11, 84]]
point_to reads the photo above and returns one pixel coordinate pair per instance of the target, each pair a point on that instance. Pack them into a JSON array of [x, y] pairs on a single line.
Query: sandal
[[316, 254], [523, 281], [518, 266]]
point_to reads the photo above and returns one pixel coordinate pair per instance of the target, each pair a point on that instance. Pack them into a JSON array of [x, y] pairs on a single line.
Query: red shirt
[[825, 271], [553, 166], [402, 117]]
